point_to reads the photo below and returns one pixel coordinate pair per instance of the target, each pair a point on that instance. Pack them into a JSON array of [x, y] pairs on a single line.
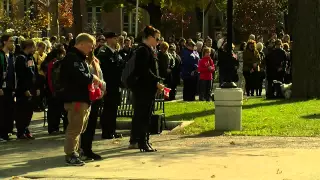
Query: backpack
[[128, 78], [56, 80]]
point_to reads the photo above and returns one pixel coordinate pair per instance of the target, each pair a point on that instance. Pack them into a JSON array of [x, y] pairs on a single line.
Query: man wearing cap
[[112, 65]]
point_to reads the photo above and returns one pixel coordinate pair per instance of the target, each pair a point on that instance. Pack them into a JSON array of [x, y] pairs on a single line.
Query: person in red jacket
[[205, 68]]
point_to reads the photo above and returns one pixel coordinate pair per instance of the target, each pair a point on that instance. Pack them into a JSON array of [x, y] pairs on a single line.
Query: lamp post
[[228, 98], [228, 81]]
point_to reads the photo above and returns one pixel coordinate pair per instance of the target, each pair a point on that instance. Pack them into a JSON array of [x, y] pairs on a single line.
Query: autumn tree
[[34, 20], [65, 13], [5, 21], [257, 16], [174, 21]]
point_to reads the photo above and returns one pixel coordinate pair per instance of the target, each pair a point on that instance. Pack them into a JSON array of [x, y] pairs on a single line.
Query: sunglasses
[[157, 38]]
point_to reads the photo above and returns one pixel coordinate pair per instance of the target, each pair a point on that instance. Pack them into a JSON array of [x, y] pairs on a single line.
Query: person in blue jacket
[[189, 72]]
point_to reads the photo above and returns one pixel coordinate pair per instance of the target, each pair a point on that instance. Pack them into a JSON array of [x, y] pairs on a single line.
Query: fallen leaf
[[116, 142], [213, 176], [97, 166], [278, 171]]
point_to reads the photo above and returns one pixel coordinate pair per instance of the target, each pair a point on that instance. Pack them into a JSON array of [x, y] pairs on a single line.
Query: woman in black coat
[[144, 88]]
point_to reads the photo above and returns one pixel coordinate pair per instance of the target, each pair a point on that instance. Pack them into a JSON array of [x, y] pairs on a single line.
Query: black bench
[[125, 109]]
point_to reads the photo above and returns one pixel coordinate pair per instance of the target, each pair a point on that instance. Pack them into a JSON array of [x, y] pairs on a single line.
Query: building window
[[98, 18], [94, 19], [129, 23], [7, 4]]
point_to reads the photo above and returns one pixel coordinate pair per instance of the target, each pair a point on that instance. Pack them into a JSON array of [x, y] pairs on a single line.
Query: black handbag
[[157, 124]]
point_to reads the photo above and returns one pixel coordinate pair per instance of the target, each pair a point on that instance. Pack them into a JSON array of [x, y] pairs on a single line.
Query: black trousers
[[270, 77], [56, 111], [205, 90], [143, 105], [190, 88], [7, 111], [40, 100], [109, 115], [173, 86], [249, 83], [88, 135], [24, 112]]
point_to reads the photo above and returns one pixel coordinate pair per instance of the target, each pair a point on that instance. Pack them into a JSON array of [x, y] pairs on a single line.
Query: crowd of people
[[76, 77]]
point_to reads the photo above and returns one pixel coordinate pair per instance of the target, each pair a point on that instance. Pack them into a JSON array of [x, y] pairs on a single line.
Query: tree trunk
[[77, 15], [199, 16], [291, 16], [155, 14], [306, 54]]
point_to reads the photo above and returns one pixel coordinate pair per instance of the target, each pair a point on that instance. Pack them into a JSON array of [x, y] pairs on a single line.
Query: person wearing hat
[[101, 40], [189, 72], [112, 65]]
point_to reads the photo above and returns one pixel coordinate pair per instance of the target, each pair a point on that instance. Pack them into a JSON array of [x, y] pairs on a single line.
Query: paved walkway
[[179, 158]]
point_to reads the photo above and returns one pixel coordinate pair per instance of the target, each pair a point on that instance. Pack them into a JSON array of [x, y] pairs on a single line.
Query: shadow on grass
[[311, 117], [190, 116], [266, 102]]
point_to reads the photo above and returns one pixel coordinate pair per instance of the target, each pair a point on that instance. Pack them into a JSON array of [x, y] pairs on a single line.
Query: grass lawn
[[260, 117]]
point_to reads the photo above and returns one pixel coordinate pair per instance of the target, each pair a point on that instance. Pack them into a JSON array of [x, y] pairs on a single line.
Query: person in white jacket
[[88, 136]]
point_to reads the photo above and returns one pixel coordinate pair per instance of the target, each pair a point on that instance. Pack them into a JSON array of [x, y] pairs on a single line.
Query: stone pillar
[[228, 109]]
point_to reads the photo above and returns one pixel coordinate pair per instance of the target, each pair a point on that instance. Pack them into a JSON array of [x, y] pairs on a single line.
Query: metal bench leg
[[44, 118]]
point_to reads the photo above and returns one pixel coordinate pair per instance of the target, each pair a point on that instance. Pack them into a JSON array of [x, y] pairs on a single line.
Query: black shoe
[[107, 136], [91, 156], [5, 137], [30, 136], [116, 135], [146, 147], [54, 133], [22, 136], [133, 146], [111, 136], [74, 160]]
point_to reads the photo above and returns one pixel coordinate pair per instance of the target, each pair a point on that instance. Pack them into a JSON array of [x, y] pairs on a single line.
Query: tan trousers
[[78, 114]]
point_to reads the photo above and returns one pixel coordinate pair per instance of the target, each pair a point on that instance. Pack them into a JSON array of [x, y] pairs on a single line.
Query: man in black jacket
[[275, 67], [27, 88], [112, 65], [126, 51], [76, 78], [7, 86]]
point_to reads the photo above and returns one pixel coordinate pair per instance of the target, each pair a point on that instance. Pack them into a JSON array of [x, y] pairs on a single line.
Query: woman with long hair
[[88, 135], [55, 104], [144, 88], [251, 61]]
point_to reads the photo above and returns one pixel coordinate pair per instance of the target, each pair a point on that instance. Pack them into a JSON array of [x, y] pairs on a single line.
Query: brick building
[[95, 20]]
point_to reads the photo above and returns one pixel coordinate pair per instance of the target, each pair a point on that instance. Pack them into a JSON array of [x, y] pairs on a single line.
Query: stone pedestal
[[228, 109]]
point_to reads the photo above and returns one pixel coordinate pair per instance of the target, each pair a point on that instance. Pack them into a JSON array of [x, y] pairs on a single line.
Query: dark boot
[[145, 146]]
